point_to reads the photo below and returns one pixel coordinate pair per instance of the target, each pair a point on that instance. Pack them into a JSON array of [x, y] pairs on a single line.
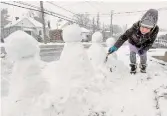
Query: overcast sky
[[93, 7]]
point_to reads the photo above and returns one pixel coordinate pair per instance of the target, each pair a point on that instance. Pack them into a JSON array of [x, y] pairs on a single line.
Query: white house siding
[[25, 23]]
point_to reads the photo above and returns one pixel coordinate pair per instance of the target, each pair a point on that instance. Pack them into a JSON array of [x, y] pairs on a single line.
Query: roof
[[58, 25], [33, 21], [62, 24], [36, 23]]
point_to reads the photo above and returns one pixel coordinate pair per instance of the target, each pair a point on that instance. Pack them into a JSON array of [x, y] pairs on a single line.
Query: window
[[29, 32], [40, 32]]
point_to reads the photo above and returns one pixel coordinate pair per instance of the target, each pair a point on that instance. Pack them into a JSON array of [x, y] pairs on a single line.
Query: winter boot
[[143, 68], [133, 68]]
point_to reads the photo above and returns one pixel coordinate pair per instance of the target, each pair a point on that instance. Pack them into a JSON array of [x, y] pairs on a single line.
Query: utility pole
[[98, 18], [103, 31], [43, 22], [111, 25], [93, 24]]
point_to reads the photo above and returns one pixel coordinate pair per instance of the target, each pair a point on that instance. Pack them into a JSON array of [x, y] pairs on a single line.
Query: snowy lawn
[[72, 86], [130, 95]]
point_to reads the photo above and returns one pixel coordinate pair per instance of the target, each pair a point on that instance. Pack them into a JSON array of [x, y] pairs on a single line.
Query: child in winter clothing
[[141, 36]]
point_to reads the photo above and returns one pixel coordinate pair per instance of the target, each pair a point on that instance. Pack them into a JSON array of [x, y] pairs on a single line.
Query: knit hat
[[150, 18]]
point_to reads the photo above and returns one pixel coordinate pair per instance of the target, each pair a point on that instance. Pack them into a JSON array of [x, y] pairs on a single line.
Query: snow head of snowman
[[110, 41], [97, 37], [20, 45], [72, 33]]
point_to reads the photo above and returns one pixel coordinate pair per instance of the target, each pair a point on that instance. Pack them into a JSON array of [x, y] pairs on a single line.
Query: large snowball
[[97, 37], [20, 45], [72, 33], [110, 41]]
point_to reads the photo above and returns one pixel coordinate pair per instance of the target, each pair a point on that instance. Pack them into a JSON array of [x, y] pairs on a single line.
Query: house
[[27, 24], [86, 34], [56, 30], [58, 24], [57, 27]]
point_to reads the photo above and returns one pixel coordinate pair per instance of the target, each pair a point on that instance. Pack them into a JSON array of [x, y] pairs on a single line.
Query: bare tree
[[83, 20], [4, 17]]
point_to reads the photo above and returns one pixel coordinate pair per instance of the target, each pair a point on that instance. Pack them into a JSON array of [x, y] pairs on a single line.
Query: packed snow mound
[[21, 45], [75, 62], [110, 41], [27, 86], [72, 33], [97, 37], [97, 54]]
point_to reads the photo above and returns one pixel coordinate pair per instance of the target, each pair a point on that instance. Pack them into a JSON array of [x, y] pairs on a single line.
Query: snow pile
[[6, 69], [161, 99], [19, 44], [27, 84], [116, 66], [74, 55], [70, 75], [73, 89]]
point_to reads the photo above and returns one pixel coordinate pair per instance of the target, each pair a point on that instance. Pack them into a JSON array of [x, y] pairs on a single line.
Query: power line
[[64, 9], [92, 6], [60, 7], [49, 13], [97, 4], [141, 11], [130, 12], [23, 3], [76, 3]]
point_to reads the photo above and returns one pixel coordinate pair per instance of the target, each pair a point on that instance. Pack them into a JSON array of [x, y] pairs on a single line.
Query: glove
[[141, 52], [112, 49]]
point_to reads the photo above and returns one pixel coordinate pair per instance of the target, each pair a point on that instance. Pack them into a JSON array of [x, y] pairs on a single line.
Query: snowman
[[110, 42], [96, 51], [97, 55], [73, 73], [114, 65], [27, 85]]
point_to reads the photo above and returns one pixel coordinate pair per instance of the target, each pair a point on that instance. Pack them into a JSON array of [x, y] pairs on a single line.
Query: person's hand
[[112, 49], [141, 52]]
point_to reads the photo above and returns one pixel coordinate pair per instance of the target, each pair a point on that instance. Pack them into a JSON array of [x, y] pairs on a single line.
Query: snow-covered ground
[[77, 89], [130, 95]]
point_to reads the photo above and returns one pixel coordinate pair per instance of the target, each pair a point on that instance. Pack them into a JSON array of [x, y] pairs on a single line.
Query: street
[[50, 53]]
